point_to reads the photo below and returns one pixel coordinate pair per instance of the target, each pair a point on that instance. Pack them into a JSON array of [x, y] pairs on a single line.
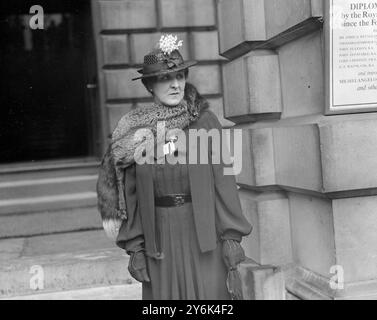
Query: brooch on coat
[[169, 148]]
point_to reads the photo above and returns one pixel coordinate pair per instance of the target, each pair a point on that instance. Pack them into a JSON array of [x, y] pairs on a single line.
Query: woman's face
[[169, 88]]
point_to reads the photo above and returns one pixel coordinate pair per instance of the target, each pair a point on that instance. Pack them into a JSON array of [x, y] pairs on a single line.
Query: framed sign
[[351, 56]]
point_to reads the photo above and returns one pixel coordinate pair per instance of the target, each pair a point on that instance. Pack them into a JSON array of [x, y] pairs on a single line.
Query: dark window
[[44, 106]]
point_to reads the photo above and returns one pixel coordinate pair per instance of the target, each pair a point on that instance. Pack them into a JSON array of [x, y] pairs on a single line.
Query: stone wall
[[309, 181]]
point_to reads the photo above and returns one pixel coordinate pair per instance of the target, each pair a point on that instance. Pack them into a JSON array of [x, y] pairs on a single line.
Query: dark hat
[[161, 61]]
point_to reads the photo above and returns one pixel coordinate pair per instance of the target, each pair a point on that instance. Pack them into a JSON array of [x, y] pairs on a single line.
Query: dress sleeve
[[231, 224], [131, 237]]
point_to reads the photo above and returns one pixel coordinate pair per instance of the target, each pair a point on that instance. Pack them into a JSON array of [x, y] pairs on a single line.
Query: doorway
[[47, 97]]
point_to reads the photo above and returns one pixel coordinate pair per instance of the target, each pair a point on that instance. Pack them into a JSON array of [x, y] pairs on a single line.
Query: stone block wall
[[309, 181], [128, 29]]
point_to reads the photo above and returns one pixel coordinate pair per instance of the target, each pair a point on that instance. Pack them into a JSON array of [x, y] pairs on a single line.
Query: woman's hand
[[233, 254], [138, 266]]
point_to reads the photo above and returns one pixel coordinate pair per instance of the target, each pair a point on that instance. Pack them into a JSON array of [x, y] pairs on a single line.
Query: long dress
[[185, 272]]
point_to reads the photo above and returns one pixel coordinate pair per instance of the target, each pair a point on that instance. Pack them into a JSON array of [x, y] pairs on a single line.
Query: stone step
[[49, 169], [47, 222], [47, 202], [262, 282], [48, 196], [47, 186], [119, 292], [61, 262]]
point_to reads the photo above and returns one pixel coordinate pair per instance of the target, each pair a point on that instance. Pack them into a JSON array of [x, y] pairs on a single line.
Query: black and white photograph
[[196, 150]]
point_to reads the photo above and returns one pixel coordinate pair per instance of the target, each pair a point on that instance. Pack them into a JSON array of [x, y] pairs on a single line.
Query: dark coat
[[216, 204]]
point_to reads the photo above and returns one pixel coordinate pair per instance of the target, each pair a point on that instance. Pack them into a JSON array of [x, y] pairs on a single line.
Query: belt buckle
[[179, 200]]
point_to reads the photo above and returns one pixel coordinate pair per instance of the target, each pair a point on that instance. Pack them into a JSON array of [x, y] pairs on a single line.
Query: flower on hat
[[168, 44]]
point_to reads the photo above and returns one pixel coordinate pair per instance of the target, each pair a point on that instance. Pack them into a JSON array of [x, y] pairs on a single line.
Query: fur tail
[[111, 227]]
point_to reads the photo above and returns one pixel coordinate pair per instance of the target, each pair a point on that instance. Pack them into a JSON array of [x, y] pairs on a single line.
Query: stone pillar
[[309, 181]]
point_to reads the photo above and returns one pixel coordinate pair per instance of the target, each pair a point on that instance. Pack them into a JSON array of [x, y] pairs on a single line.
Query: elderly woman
[[180, 223]]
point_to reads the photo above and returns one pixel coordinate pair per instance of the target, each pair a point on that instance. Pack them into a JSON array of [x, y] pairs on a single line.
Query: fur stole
[[124, 142]]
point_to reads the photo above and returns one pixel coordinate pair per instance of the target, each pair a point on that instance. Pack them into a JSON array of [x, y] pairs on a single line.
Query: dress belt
[[172, 200]]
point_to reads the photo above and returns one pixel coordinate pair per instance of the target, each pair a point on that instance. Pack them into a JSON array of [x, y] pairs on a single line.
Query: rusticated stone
[[269, 215], [127, 14]]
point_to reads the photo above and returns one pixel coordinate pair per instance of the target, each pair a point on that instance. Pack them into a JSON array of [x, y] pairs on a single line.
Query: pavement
[[120, 292], [78, 265], [88, 266]]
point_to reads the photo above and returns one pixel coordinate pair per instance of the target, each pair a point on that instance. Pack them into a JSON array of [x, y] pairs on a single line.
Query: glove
[[138, 266], [234, 285], [233, 254]]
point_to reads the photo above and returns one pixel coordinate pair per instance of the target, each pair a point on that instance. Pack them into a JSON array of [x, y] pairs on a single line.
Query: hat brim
[[183, 66]]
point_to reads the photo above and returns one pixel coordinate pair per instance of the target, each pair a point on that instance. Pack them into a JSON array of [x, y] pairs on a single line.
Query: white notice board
[[351, 56]]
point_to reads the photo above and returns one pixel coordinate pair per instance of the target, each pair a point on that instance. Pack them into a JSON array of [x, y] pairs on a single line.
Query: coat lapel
[[203, 201], [203, 196], [146, 203]]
